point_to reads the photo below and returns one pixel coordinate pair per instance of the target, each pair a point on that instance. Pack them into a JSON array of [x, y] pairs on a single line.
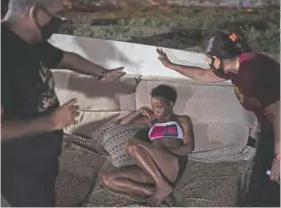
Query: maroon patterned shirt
[[256, 85]]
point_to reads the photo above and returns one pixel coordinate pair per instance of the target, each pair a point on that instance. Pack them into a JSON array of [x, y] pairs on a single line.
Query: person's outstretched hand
[[113, 74], [163, 57]]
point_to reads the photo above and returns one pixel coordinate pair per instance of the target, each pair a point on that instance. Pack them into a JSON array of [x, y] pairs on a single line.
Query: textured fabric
[[87, 122], [78, 173], [202, 185], [112, 137], [233, 152], [216, 135]]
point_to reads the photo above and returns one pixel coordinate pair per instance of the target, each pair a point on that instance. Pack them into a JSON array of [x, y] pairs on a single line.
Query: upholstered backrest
[[95, 95]]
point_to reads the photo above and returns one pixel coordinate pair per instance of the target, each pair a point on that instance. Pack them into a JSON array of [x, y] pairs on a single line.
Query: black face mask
[[51, 27], [212, 66]]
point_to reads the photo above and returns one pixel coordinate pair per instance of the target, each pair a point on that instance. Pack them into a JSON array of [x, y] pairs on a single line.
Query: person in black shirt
[[32, 118]]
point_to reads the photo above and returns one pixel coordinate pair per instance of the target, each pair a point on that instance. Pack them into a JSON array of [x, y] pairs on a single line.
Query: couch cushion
[[112, 137], [213, 136], [93, 95]]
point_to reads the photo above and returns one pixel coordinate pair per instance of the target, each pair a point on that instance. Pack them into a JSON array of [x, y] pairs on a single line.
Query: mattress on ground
[[203, 184], [79, 169]]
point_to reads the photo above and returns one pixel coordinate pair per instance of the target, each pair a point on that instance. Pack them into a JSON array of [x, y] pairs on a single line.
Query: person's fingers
[[159, 51], [270, 116], [276, 177], [75, 108], [208, 59], [118, 76], [162, 59], [75, 114], [73, 122], [113, 72], [160, 55], [145, 114], [113, 77], [108, 78], [267, 113], [271, 176], [119, 69], [149, 117], [70, 102]]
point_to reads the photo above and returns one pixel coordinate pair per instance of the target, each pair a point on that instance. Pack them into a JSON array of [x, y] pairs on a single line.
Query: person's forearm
[[16, 129], [188, 71], [129, 118], [79, 64], [183, 150]]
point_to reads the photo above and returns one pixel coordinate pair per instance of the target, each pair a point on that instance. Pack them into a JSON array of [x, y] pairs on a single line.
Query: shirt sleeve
[[52, 55]]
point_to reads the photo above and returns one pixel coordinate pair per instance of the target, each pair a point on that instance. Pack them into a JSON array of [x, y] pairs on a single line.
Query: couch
[[218, 121]]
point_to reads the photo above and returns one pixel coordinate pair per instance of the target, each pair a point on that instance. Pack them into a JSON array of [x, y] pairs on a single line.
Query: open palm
[[113, 74], [163, 57]]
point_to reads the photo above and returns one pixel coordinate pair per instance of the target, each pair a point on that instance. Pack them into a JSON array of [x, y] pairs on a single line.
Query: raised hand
[[113, 74], [163, 58]]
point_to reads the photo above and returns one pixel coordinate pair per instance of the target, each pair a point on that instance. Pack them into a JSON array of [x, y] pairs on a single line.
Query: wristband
[[277, 156]]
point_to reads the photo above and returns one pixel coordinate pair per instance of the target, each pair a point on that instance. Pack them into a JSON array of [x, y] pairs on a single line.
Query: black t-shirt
[[27, 90]]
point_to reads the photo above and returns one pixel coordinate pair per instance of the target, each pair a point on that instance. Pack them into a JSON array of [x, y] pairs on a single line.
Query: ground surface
[[174, 27]]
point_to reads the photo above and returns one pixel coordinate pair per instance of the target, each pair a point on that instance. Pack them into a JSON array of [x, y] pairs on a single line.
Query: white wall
[[137, 59]]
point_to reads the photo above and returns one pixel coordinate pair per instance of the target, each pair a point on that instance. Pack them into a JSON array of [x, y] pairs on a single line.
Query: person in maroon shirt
[[256, 82]]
